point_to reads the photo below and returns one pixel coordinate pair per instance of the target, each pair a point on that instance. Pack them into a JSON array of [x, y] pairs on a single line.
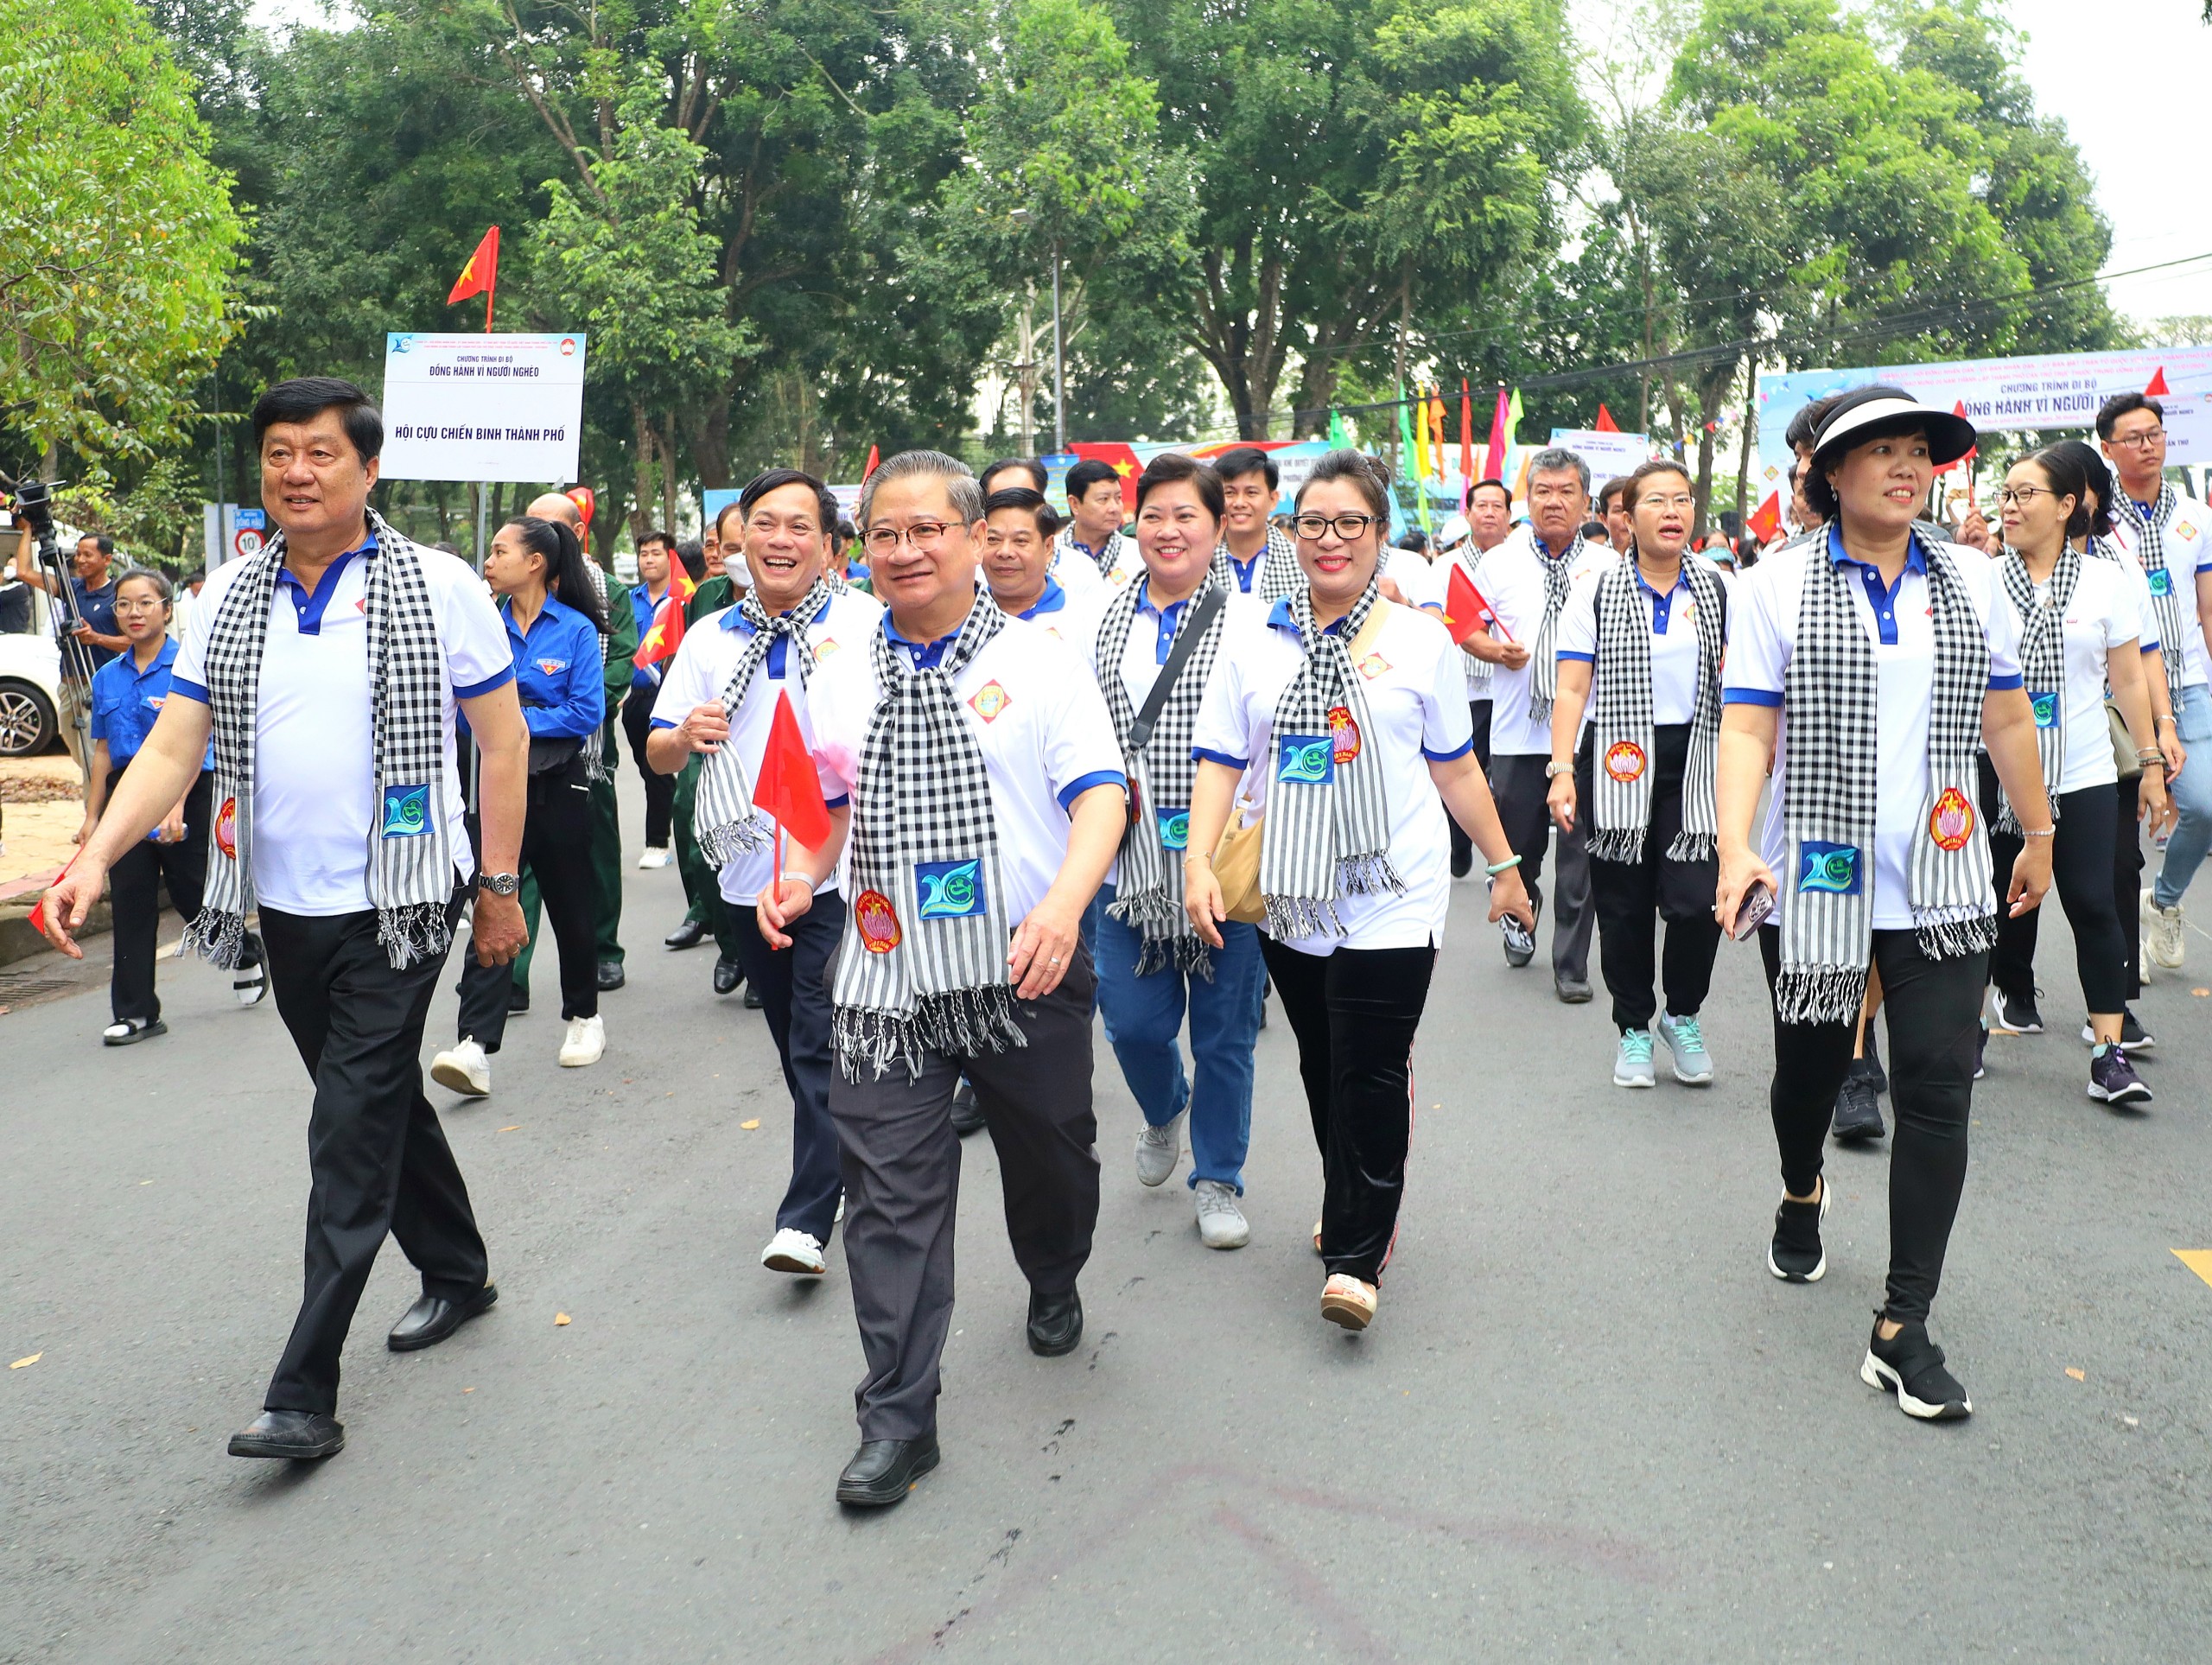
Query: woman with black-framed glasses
[[1355, 712]]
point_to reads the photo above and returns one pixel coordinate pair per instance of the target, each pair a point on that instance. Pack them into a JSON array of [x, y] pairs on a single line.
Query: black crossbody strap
[[1170, 673]]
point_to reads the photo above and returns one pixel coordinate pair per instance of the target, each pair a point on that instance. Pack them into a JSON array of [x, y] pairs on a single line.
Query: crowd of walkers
[[1151, 765]]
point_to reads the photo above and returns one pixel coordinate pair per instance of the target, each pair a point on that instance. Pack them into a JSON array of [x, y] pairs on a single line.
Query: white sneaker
[[2164, 938], [1158, 1151], [585, 1042], [792, 1251], [1221, 1222], [464, 1068], [656, 856]]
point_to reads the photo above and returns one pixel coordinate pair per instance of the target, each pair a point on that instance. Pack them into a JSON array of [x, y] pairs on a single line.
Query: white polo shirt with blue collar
[[315, 816], [1674, 641]]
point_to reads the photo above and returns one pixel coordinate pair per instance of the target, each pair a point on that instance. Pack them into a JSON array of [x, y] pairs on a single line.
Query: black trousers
[[2082, 873], [556, 833], [378, 1161], [1630, 897], [135, 898], [1354, 1013], [900, 1161], [1517, 783], [2016, 941], [1463, 847], [1934, 1011], [795, 999], [660, 789]]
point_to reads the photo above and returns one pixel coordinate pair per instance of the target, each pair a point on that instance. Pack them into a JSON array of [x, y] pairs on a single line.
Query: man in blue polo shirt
[[93, 641]]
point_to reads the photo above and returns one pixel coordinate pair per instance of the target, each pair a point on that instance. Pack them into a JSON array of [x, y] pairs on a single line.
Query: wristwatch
[[1555, 768], [498, 883]]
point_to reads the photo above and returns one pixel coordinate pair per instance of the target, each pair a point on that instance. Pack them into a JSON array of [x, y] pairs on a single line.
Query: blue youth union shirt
[[557, 671], [126, 701]]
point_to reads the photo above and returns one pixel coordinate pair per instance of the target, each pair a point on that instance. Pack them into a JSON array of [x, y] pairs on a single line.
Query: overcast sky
[[2133, 80]]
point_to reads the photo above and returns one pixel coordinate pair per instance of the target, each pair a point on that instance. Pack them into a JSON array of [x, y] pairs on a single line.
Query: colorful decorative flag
[[1467, 436], [1465, 610], [585, 500], [1766, 520], [1606, 423], [480, 276], [874, 461], [665, 634], [2158, 389], [1406, 433], [788, 788], [1338, 439], [1494, 456]]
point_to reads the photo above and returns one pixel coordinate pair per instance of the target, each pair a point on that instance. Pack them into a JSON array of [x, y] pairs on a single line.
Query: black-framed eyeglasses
[[1313, 527], [2021, 496], [2142, 442]]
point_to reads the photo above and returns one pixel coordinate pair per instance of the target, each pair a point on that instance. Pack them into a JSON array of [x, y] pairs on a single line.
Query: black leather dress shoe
[[686, 935], [1055, 1323], [518, 1002], [1575, 991], [611, 976], [967, 1114], [883, 1471], [728, 975], [753, 1001], [300, 1435], [433, 1318]]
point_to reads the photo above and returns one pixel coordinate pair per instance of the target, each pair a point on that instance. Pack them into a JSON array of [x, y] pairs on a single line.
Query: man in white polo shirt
[[327, 670], [988, 802], [1526, 579]]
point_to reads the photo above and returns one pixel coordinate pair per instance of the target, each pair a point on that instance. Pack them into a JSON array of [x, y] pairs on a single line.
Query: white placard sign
[[482, 407], [1610, 455]]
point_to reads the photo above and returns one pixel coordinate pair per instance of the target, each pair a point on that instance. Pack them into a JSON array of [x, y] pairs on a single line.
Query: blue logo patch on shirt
[[406, 811], [2162, 581], [2046, 709], [950, 890], [1832, 867], [1308, 758], [1175, 829]]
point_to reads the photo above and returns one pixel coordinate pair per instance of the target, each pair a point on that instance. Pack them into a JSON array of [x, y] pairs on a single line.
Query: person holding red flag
[[741, 678], [662, 583]]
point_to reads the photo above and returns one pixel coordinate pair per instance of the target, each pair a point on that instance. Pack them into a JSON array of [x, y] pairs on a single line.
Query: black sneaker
[[2014, 1014], [1873, 1062], [2113, 1080], [1858, 1112], [1520, 939], [1912, 1367], [1462, 862], [2133, 1037], [1796, 1254], [967, 1114]]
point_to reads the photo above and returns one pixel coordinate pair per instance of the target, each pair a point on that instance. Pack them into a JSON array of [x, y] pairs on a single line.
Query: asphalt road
[[1586, 1422]]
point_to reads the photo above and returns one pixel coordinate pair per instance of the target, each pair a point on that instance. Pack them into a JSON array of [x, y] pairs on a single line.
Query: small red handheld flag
[[2158, 389], [1766, 520], [787, 786], [480, 276], [1605, 423], [38, 908], [665, 634], [1465, 610], [874, 461]]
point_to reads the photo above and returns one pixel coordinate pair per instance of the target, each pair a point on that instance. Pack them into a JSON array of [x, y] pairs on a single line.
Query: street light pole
[[1059, 362]]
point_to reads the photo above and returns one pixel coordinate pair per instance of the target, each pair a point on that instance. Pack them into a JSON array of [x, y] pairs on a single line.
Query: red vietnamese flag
[[788, 788], [1465, 611], [1606, 423], [480, 276], [38, 908], [1959, 409], [2158, 389], [874, 461], [665, 634], [585, 500], [1766, 520]]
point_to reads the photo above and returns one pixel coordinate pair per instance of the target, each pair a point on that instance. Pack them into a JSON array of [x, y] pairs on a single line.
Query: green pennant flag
[[1409, 462], [1338, 440]]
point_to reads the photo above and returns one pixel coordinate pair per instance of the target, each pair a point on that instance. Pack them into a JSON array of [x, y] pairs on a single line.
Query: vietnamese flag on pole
[[1493, 458], [1606, 423], [1766, 520], [1465, 611], [480, 276], [2158, 389], [874, 461], [787, 787]]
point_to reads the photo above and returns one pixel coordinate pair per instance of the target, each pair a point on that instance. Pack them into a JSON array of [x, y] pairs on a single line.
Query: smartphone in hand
[[1757, 904]]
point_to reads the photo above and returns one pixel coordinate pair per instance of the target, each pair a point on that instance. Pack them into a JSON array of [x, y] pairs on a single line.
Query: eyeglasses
[[1313, 527], [923, 537], [2142, 442], [1680, 500], [2009, 496]]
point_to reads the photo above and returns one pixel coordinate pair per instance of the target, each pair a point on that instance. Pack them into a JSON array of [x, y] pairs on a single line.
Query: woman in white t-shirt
[[1355, 709], [2079, 625]]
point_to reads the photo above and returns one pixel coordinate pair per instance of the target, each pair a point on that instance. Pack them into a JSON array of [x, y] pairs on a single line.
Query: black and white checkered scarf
[[1328, 819], [2165, 598], [1106, 558], [923, 962], [1831, 703], [1543, 651], [410, 869], [1150, 896], [2042, 667], [1479, 671], [1278, 573], [722, 816], [1622, 753]]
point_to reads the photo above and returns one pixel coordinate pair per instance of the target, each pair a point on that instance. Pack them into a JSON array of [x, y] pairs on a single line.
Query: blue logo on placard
[[2046, 708], [2162, 582], [1828, 866], [950, 890], [1309, 757], [406, 811], [1175, 829]]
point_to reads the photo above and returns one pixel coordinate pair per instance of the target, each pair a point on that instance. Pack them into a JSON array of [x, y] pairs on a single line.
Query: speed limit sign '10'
[[248, 541]]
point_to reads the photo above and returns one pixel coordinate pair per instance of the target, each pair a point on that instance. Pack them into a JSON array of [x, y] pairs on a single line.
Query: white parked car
[[30, 693]]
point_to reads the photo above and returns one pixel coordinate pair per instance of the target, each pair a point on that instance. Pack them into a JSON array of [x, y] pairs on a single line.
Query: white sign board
[[1609, 455], [482, 407]]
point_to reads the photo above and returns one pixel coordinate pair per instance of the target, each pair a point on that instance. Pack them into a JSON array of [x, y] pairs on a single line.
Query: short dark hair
[[1028, 466], [305, 397], [1609, 490], [693, 555], [664, 539], [1248, 459], [732, 507], [99, 541], [1504, 491], [1805, 427], [2110, 412], [197, 576], [1370, 475], [160, 581], [1595, 531], [1414, 542], [1087, 473], [1021, 496], [1170, 466], [774, 479]]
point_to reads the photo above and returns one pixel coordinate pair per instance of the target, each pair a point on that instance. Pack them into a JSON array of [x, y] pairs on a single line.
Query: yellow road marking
[[2198, 1260]]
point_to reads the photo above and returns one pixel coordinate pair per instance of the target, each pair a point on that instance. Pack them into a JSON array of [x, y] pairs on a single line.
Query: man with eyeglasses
[[2172, 535], [1525, 579]]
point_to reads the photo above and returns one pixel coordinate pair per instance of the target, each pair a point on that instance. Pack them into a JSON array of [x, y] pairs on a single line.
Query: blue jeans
[[2192, 836], [1144, 1023]]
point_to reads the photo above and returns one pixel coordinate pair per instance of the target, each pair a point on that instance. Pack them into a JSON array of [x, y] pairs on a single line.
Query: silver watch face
[[500, 884]]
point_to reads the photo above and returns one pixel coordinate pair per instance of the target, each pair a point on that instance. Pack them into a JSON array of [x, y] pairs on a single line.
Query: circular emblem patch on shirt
[[989, 700], [1624, 760], [1950, 823], [1344, 733], [878, 921], [1373, 666], [226, 827]]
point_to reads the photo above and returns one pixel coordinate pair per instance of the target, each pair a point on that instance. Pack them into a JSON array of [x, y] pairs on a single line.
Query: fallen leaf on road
[[749, 1126], [32, 1359], [560, 1318], [2200, 994], [2077, 1375], [468, 1390], [511, 1127]]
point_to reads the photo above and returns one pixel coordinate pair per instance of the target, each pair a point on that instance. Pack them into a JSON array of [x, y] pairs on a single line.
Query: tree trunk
[[1744, 455], [642, 429], [668, 469]]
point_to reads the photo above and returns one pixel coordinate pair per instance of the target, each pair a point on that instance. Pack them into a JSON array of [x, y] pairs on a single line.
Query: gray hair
[[1557, 459], [960, 483], [160, 581]]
